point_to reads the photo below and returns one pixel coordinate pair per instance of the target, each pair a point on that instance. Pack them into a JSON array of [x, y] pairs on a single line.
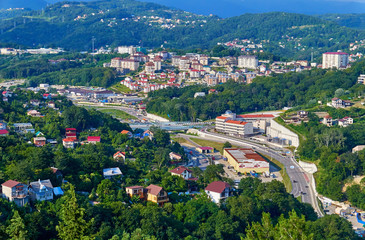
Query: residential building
[[245, 160], [126, 132], [361, 79], [41, 190], [345, 122], [135, 191], [109, 173], [93, 139], [199, 94], [69, 142], [148, 134], [358, 148], [182, 172], [127, 49], [24, 128], [39, 141], [71, 133], [335, 59], [119, 155], [15, 192], [328, 121], [218, 191], [339, 103], [175, 156], [34, 113], [150, 67], [124, 63], [247, 61], [4, 133], [156, 194]]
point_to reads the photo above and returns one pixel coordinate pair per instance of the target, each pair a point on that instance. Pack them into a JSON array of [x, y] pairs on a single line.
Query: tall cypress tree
[[16, 229], [72, 224]]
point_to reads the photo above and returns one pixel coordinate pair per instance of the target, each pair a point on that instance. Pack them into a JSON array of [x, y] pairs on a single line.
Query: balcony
[[19, 195], [163, 199]]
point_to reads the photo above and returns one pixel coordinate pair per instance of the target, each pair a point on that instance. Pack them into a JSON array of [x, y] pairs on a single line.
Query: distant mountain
[[32, 4], [229, 8], [129, 22], [353, 20]]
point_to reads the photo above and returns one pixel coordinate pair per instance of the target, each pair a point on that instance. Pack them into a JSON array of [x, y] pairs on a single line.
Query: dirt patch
[[356, 180]]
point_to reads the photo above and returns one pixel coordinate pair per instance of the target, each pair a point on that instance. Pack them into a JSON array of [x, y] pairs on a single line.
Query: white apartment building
[[335, 59], [248, 61], [122, 63], [127, 49]]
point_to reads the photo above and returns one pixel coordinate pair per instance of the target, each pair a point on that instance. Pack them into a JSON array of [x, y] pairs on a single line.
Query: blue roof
[[57, 191]]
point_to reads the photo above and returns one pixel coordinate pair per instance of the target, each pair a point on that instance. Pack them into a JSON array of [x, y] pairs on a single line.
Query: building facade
[[245, 160], [335, 59], [248, 61]]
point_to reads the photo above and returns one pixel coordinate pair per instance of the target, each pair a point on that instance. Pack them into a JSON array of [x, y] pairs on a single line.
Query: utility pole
[[93, 43]]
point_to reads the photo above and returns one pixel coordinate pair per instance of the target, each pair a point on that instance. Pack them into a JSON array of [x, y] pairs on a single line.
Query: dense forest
[[265, 93], [66, 68], [97, 208], [128, 23]]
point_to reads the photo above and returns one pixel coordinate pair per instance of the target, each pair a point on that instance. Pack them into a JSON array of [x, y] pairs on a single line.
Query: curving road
[[300, 181]]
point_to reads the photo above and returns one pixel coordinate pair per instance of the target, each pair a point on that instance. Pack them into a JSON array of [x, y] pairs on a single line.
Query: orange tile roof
[[236, 122], [221, 117]]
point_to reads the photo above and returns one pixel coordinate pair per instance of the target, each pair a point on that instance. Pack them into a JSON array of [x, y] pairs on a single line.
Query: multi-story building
[[182, 172], [15, 192], [335, 59], [127, 49], [218, 191], [361, 79], [152, 193], [124, 63], [41, 190], [230, 124], [245, 160], [248, 61]]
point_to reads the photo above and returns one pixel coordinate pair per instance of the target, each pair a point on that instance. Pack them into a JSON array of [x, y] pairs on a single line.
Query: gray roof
[[41, 186]]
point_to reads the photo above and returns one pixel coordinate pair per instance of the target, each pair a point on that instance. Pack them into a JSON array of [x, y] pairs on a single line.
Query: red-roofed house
[[182, 172], [119, 155], [93, 139], [69, 142], [218, 191], [71, 132], [15, 192], [128, 133], [4, 132], [156, 194]]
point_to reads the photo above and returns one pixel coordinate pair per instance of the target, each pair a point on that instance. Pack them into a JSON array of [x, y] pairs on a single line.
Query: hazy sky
[[229, 8]]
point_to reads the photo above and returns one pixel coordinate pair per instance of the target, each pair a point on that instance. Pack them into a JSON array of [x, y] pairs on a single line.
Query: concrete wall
[[158, 118], [277, 130]]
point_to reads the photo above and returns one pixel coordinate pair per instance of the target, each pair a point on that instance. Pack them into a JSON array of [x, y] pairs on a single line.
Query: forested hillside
[[97, 208], [265, 93], [348, 20], [131, 22]]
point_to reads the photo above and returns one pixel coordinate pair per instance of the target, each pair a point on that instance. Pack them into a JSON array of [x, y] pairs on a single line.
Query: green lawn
[[117, 113], [119, 88], [206, 143]]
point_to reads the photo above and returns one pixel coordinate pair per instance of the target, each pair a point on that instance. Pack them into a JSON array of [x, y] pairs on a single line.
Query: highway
[[300, 181]]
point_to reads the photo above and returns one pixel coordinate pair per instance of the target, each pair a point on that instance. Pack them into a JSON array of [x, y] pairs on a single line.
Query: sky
[[229, 8]]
